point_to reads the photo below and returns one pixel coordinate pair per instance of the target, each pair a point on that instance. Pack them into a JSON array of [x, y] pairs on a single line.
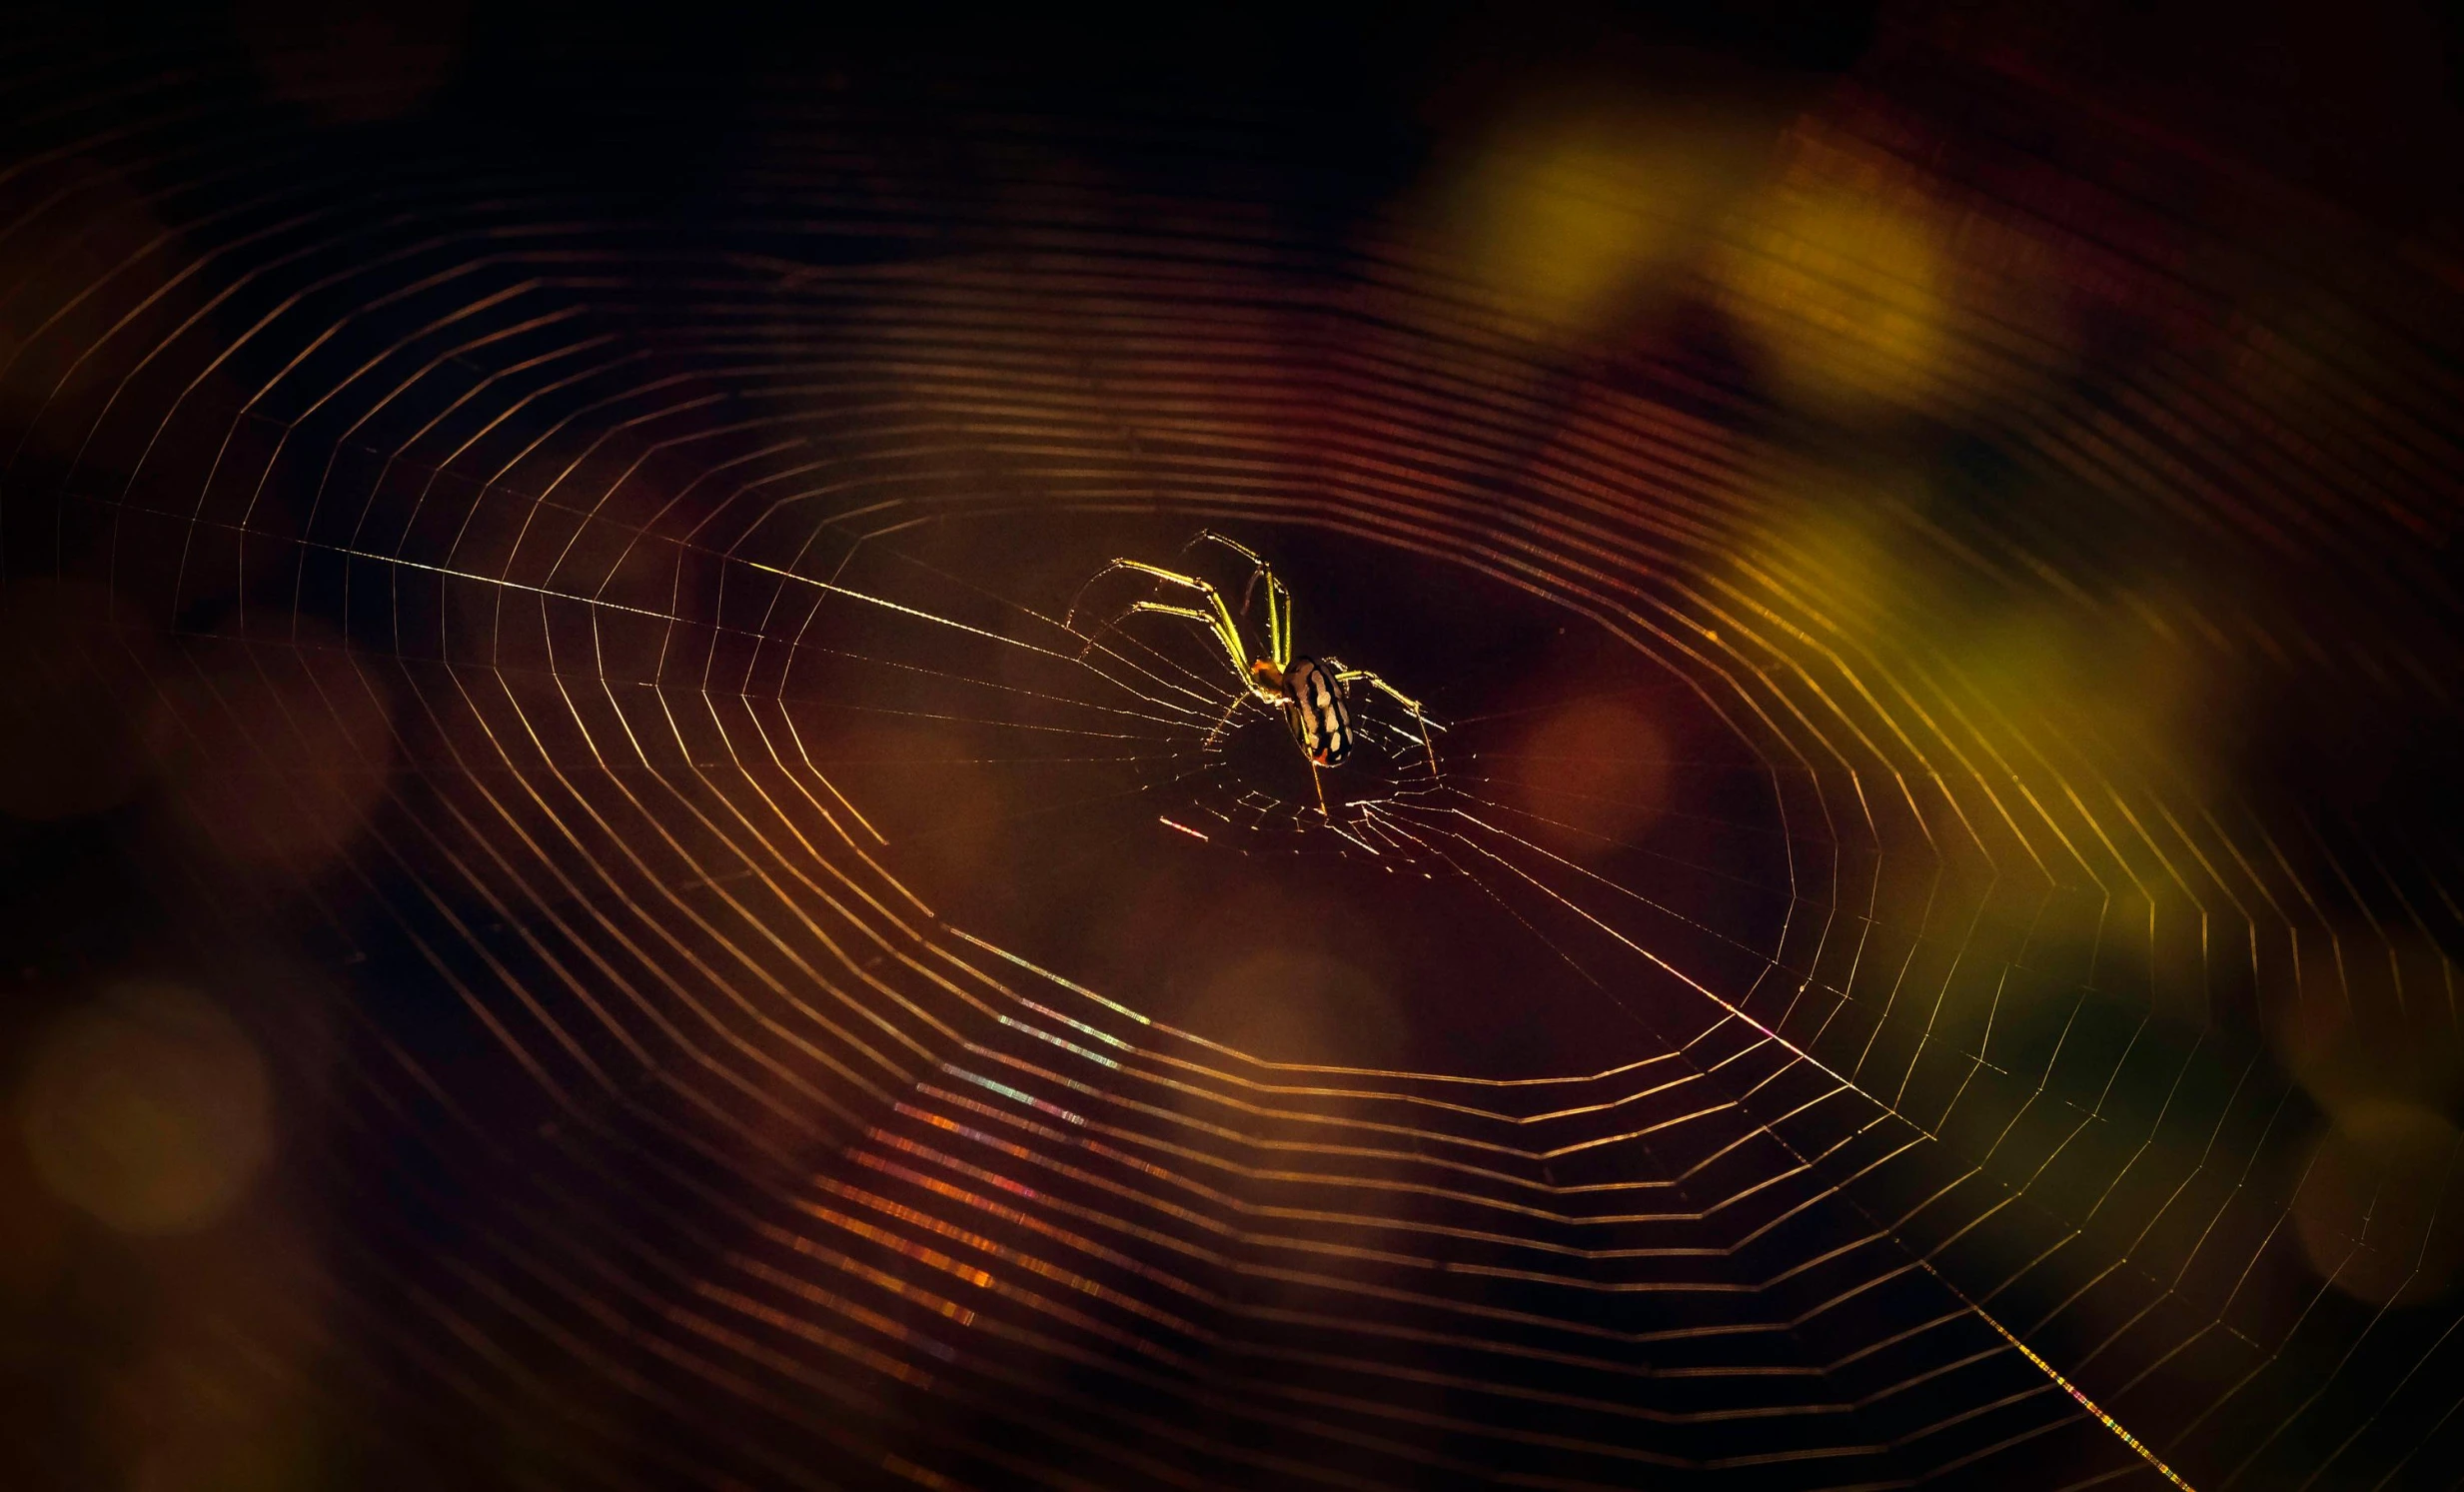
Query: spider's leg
[[1279, 619], [1278, 599], [1258, 569], [1207, 620], [1278, 615], [1209, 536], [1069, 618], [1215, 614], [1346, 675], [1219, 616]]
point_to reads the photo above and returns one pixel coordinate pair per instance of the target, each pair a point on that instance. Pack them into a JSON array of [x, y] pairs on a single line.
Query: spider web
[[809, 1016]]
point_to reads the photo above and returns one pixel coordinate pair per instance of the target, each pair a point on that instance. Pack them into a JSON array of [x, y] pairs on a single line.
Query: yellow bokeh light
[[1839, 273], [149, 1109], [1568, 217]]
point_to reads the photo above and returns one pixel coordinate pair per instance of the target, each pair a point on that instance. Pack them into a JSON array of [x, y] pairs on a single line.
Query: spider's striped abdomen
[[1315, 709]]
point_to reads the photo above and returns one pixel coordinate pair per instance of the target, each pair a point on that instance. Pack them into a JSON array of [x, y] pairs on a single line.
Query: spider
[[1312, 693]]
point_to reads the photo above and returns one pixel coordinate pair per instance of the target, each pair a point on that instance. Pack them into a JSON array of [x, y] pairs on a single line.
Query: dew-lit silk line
[[2033, 1357], [2086, 1403]]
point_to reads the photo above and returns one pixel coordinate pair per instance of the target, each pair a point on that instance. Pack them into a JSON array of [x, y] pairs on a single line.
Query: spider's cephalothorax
[[1312, 693]]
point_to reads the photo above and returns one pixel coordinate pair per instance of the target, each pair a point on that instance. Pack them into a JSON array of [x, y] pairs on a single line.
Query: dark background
[[2318, 145]]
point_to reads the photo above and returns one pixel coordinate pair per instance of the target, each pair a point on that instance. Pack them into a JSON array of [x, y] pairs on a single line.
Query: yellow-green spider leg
[[1346, 675], [1216, 625], [1278, 599], [1218, 619]]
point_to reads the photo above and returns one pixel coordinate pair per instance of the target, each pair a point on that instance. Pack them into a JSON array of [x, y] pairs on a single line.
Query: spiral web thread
[[748, 1136]]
